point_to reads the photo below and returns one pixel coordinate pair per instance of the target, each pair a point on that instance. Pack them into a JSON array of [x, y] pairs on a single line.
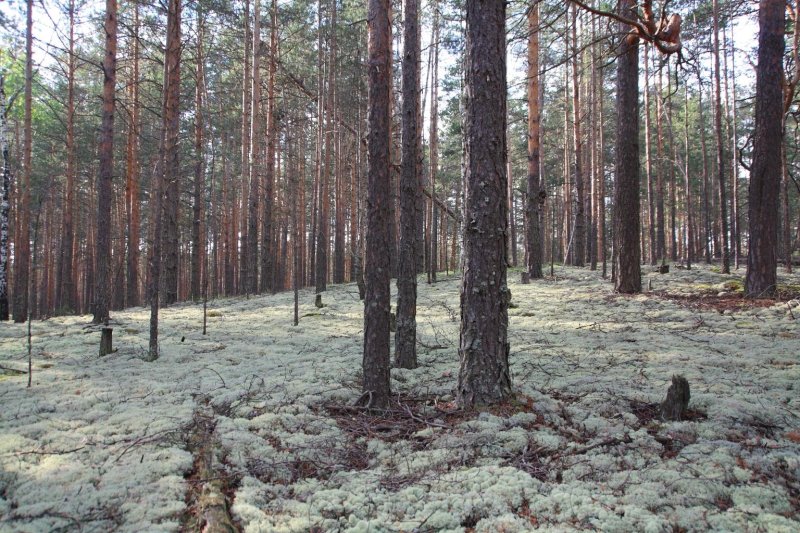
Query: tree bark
[[172, 168], [405, 355], [706, 179], [4, 203], [377, 269], [198, 235], [723, 201], [256, 159], [434, 147], [626, 189], [534, 198], [106, 170], [247, 113], [267, 263], [323, 210], [648, 162], [484, 377], [22, 247], [132, 170], [689, 234], [65, 280], [661, 242], [579, 232], [765, 171]]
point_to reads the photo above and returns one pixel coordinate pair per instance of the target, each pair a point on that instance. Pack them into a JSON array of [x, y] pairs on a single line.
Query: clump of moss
[[733, 285]]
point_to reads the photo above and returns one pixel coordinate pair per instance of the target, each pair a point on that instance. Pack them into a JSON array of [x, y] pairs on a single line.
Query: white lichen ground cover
[[100, 444]]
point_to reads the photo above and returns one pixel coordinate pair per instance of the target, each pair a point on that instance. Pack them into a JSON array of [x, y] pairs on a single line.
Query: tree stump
[[676, 403], [105, 341], [526, 278], [318, 301], [663, 269]]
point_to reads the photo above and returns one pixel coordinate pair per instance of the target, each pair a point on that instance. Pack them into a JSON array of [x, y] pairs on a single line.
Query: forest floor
[[258, 413]]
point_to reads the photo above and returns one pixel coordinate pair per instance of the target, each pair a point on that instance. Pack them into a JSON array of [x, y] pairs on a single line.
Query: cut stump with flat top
[[105, 341], [676, 403]]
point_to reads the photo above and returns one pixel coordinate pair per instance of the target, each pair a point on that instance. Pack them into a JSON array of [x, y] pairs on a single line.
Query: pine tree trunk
[[648, 162], [339, 174], [172, 168], [626, 188], [377, 269], [323, 140], [251, 249], [736, 238], [579, 224], [132, 175], [267, 266], [434, 147], [247, 113], [106, 170], [723, 201], [661, 242], [687, 185], [405, 355], [4, 203], [198, 235], [765, 172], [673, 200], [22, 247], [601, 177], [786, 227], [706, 178], [65, 280], [484, 377]]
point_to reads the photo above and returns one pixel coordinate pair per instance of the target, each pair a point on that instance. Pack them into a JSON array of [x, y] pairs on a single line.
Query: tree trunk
[[434, 147], [626, 189], [406, 335], [65, 279], [648, 162], [736, 238], [256, 159], [723, 201], [689, 234], [106, 170], [4, 204], [322, 240], [22, 247], [765, 172], [673, 200], [484, 377], [132, 178], [786, 228], [535, 194], [661, 242], [601, 176], [267, 264], [706, 179], [172, 166], [579, 232], [512, 229], [247, 113], [377, 269], [198, 245]]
